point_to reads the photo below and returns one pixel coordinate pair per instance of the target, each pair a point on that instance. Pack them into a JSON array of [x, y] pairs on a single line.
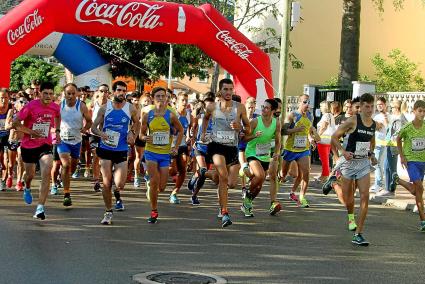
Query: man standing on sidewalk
[[381, 117]]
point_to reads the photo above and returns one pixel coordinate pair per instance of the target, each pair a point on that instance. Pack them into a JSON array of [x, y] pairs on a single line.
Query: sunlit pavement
[[298, 246]]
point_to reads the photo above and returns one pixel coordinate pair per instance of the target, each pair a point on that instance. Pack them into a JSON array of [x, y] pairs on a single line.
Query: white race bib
[[418, 144], [2, 124], [113, 138], [66, 135], [273, 144], [226, 137], [43, 128], [161, 138], [362, 149], [300, 141], [262, 149]]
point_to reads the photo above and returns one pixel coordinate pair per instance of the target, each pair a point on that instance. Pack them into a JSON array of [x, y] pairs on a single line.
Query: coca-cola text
[[239, 48], [31, 22], [121, 15]]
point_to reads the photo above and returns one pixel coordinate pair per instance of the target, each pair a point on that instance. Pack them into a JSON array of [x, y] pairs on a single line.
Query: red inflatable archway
[[204, 27]]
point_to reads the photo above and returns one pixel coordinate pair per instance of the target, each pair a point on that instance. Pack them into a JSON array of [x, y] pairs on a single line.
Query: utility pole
[[170, 67], [284, 49]]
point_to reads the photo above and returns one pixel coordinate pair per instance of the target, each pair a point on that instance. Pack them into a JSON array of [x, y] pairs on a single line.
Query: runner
[[182, 155], [226, 116], [112, 125], [200, 151], [411, 146], [355, 163], [301, 135], [73, 113], [139, 145], [101, 97], [14, 150], [39, 117], [265, 129], [155, 130], [5, 107]]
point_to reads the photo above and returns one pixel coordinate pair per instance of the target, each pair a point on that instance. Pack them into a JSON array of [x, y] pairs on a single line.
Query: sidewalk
[[402, 199]]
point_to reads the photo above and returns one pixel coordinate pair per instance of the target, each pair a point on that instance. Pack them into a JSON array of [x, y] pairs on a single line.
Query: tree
[[350, 42], [397, 73], [27, 68]]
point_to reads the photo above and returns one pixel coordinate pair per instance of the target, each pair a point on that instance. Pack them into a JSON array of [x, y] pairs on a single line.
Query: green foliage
[[27, 68], [398, 4], [397, 73], [333, 81]]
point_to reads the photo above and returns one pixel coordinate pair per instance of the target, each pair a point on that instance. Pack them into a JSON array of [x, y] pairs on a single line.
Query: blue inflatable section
[[78, 55]]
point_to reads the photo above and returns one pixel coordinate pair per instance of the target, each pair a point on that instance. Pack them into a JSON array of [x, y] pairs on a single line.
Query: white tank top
[[71, 123]]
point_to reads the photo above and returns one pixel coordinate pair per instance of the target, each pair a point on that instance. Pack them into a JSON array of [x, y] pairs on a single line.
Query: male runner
[[112, 125], [226, 116]]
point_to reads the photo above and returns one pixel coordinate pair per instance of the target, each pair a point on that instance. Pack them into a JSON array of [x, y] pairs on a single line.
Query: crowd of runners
[[118, 136]]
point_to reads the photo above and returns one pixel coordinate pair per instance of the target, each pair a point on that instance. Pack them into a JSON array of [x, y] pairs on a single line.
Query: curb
[[395, 203]]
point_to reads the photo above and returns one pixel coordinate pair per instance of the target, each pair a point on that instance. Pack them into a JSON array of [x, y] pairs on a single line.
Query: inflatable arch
[[78, 56], [168, 22]]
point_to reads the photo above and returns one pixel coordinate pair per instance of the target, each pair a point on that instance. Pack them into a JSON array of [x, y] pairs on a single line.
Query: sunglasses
[[104, 91], [22, 102], [121, 90], [306, 102]]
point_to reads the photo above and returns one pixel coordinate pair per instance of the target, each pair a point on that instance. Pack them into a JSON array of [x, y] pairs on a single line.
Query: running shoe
[[39, 213], [195, 200], [191, 183], [422, 226], [54, 190], [137, 182], [96, 186], [153, 218], [86, 173], [247, 211], [67, 201], [247, 202], [225, 220], [9, 182], [275, 207], [304, 203], [27, 196], [107, 218], [352, 226], [119, 205], [359, 240], [327, 186], [294, 198], [219, 215], [19, 186], [174, 199], [76, 174], [201, 180], [395, 180]]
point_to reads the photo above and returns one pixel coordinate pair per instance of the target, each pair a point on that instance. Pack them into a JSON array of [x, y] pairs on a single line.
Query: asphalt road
[[298, 246]]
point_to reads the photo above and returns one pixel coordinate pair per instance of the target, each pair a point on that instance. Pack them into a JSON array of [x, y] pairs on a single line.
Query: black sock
[[117, 195], [110, 211], [67, 195], [249, 195]]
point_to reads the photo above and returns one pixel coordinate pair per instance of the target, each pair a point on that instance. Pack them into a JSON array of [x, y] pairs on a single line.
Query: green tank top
[[260, 147]]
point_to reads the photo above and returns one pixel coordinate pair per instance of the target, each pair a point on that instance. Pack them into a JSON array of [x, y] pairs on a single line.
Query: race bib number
[[42, 128], [300, 141], [262, 149], [418, 144], [273, 144], [226, 136], [362, 149], [67, 135], [161, 138], [113, 138], [2, 124]]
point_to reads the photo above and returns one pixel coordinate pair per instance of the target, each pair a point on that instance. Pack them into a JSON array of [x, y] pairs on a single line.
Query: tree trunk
[[214, 81], [140, 84], [350, 43]]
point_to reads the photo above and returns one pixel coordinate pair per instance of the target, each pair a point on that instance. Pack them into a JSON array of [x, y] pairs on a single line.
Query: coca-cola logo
[[237, 47], [131, 14], [31, 22]]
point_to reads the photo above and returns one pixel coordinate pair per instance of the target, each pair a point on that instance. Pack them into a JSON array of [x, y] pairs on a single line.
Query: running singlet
[[260, 147], [38, 117], [358, 142], [202, 146], [380, 135], [3, 131], [185, 122], [159, 128], [413, 142], [71, 123], [115, 125], [222, 133], [298, 142]]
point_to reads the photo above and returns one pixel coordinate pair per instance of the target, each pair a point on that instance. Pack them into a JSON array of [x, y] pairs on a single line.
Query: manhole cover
[[177, 277]]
